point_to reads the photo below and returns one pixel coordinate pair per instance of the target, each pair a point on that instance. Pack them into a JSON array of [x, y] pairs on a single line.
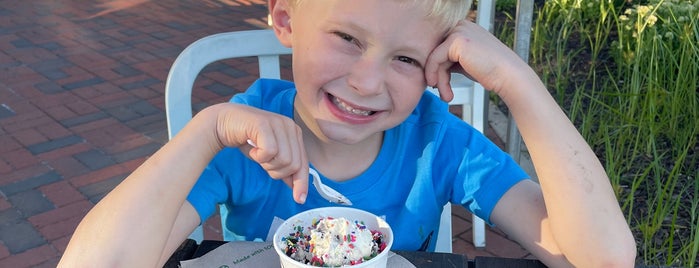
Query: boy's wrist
[[520, 84]]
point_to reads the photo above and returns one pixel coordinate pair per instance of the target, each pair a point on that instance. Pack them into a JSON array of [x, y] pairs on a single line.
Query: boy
[[357, 112]]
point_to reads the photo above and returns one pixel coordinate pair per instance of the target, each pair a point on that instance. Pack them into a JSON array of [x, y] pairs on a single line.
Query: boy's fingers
[[438, 71], [300, 179], [444, 87], [434, 61], [299, 184]]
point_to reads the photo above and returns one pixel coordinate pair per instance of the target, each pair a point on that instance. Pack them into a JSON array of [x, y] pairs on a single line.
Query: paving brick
[[150, 92], [126, 143], [96, 191], [102, 124], [82, 107], [212, 228], [460, 226], [61, 243], [19, 236], [50, 263], [10, 216], [21, 174], [29, 183], [65, 151], [122, 113], [97, 92], [53, 130], [64, 213], [150, 125], [51, 64], [52, 74], [107, 99], [56, 99], [5, 167], [467, 249], [8, 143], [220, 89], [84, 83], [126, 71], [60, 193], [137, 153], [131, 111], [20, 158], [24, 121], [30, 202], [51, 46], [22, 43], [60, 229], [4, 251], [103, 138], [4, 204], [6, 111], [79, 120], [59, 112], [54, 144], [67, 167], [29, 136], [30, 258], [88, 61], [99, 175], [94, 159], [143, 108]]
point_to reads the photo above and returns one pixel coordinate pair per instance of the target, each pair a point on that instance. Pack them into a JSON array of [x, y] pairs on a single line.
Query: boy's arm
[[131, 226], [575, 211]]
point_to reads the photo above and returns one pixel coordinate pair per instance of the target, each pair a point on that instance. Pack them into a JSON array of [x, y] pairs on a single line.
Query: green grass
[[628, 76]]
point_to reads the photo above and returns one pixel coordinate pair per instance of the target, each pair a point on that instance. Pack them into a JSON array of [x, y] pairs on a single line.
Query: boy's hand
[[278, 143], [473, 51]]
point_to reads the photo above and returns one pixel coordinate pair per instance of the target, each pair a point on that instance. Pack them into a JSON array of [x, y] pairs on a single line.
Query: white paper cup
[[305, 219]]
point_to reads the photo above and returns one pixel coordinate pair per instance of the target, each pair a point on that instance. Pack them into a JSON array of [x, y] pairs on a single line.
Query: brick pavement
[[81, 106]]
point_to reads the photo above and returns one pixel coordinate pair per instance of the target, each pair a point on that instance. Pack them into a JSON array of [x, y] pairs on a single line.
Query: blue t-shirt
[[430, 159]]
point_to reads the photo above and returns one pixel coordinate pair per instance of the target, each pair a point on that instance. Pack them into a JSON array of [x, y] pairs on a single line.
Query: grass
[[627, 74]]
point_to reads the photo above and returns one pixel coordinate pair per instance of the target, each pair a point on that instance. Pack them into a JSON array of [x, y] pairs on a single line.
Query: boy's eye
[[408, 60], [346, 37]]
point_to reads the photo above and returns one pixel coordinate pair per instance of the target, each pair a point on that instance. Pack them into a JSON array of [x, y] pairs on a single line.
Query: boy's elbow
[[622, 254]]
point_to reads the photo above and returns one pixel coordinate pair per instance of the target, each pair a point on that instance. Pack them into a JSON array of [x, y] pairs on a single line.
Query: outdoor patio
[[81, 106]]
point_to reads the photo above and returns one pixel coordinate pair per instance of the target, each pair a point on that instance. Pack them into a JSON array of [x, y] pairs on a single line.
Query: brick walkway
[[81, 106]]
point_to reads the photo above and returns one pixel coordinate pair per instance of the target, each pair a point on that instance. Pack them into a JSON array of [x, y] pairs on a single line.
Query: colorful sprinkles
[[300, 245]]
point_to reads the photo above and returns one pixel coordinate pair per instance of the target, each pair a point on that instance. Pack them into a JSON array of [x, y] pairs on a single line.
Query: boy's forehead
[[427, 10], [401, 23]]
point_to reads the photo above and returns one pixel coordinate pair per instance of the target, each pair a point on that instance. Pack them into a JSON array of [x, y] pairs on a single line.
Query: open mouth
[[346, 107]]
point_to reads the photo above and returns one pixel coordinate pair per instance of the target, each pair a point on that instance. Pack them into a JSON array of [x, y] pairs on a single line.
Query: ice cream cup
[[306, 218]]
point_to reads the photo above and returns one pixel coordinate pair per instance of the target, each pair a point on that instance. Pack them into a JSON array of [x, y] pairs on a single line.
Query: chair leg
[[478, 232]]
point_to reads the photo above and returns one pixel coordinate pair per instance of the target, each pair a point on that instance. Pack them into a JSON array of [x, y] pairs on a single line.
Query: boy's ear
[[279, 11]]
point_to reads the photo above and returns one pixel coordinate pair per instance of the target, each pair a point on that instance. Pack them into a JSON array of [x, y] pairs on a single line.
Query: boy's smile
[[358, 65], [350, 113]]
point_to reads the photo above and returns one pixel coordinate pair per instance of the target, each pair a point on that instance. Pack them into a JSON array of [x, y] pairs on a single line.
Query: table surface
[[190, 250]]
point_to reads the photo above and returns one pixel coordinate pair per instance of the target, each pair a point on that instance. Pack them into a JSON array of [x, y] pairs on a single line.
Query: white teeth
[[349, 109]]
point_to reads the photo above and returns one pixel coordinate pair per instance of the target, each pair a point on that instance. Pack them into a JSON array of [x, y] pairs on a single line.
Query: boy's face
[[358, 65]]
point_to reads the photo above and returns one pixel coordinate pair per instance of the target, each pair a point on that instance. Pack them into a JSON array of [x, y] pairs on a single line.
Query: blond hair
[[447, 13]]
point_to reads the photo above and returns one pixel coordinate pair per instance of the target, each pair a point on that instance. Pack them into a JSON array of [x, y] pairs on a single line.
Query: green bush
[[627, 73]]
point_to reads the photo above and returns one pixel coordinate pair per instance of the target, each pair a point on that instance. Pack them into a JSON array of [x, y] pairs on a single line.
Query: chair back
[[178, 88], [264, 45]]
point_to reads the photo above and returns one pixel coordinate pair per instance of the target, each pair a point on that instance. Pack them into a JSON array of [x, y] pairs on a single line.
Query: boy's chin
[[347, 136]]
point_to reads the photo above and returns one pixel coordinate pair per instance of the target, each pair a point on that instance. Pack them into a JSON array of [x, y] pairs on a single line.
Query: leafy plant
[[627, 73]]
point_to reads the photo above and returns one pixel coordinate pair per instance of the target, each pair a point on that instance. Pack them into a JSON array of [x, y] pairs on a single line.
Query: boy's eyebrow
[[404, 47]]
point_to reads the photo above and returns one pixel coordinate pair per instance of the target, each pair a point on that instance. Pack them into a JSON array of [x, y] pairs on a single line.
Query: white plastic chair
[[471, 96], [264, 45], [178, 88]]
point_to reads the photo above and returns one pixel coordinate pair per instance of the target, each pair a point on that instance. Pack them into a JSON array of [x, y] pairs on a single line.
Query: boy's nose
[[367, 76]]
